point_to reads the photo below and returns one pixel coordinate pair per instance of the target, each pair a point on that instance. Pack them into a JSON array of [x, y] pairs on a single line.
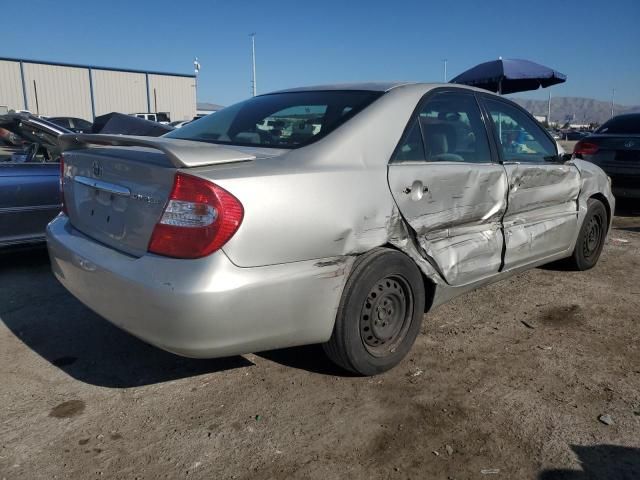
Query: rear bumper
[[200, 308], [625, 181], [625, 192], [626, 186]]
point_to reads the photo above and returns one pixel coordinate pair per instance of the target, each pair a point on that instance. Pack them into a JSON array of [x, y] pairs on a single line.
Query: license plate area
[[102, 206]]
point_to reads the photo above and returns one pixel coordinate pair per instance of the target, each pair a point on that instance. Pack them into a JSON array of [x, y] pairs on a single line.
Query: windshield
[[18, 138], [622, 125], [279, 120]]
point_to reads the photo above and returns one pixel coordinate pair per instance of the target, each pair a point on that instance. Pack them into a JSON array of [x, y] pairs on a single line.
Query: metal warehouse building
[[60, 89]]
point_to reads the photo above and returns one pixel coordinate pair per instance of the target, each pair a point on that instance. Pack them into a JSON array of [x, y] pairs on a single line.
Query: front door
[[449, 189], [542, 213]]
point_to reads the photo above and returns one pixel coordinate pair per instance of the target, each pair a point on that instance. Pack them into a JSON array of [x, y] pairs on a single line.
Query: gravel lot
[[505, 382]]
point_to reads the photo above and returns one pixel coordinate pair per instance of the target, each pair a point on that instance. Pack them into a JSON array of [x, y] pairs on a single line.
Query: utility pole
[[444, 60], [253, 63], [196, 69], [549, 111], [613, 99]]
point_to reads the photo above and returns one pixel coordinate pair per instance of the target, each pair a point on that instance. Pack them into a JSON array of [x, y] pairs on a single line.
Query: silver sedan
[[336, 214]]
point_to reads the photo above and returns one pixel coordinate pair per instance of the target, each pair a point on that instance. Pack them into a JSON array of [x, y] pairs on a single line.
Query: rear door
[[448, 187], [542, 214]]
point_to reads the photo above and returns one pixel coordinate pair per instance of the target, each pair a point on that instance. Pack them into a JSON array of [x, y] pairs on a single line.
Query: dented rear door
[[542, 214], [449, 189]]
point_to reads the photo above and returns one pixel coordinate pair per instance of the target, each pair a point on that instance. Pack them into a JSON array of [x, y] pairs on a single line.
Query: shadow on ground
[[600, 462], [309, 357], [51, 322]]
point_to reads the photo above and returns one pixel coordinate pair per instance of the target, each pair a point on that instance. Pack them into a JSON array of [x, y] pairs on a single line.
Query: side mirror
[[565, 157]]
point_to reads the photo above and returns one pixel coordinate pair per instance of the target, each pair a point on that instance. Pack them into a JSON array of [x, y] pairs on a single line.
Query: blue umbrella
[[510, 76]]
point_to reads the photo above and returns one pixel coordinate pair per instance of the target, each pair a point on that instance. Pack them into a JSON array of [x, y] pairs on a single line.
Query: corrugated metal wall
[[176, 95], [11, 85], [65, 90], [61, 91], [124, 92]]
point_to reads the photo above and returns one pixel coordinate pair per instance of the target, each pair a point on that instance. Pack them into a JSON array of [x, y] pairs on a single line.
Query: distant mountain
[[575, 109], [209, 106]]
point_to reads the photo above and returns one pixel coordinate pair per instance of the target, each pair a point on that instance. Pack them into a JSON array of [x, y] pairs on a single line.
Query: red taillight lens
[[61, 183], [585, 148], [199, 218]]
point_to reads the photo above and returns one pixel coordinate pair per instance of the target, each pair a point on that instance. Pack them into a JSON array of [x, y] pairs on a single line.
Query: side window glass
[[21, 144], [82, 125], [519, 137], [411, 149], [453, 130]]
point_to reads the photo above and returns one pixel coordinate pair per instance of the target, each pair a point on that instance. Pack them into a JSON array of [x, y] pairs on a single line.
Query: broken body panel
[[308, 213]]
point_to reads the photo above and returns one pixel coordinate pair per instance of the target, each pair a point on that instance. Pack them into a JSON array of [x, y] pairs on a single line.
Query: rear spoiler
[[181, 153]]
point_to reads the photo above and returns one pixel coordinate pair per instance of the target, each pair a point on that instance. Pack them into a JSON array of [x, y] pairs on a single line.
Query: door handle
[[408, 190], [416, 190]]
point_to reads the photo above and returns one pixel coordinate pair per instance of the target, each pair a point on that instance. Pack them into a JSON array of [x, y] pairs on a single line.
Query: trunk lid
[[622, 149], [117, 194]]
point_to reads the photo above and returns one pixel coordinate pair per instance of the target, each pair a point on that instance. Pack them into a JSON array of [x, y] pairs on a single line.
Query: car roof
[[369, 86], [627, 115], [376, 87]]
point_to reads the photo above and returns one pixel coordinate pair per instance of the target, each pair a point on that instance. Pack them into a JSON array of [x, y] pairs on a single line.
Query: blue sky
[[595, 43]]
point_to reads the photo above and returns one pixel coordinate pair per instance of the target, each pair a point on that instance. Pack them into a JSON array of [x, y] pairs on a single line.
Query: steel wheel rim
[[386, 315], [593, 236]]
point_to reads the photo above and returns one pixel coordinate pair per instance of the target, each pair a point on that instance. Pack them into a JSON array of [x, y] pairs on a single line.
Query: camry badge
[[629, 144]]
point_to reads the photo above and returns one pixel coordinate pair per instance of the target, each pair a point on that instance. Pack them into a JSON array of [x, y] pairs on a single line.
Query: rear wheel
[[591, 237], [380, 313]]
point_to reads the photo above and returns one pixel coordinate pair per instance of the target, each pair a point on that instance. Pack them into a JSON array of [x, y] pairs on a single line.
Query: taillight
[[585, 148], [61, 184], [199, 218]]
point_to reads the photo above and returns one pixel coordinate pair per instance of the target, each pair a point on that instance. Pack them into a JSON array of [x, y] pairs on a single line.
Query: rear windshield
[[623, 124], [279, 120]]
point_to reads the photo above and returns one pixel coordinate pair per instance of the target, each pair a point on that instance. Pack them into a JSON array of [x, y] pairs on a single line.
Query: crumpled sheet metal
[[541, 219], [456, 216], [594, 182]]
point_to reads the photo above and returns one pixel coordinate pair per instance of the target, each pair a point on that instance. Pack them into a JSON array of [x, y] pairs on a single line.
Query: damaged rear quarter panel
[[325, 200], [594, 181]]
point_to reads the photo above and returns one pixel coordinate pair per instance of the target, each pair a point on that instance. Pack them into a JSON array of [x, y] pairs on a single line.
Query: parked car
[[74, 124], [230, 238], [160, 117], [29, 177], [574, 135], [554, 134], [180, 123], [615, 147]]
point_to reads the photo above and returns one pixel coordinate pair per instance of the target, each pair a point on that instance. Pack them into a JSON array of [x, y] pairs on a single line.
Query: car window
[[63, 122], [20, 143], [520, 138], [448, 128], [279, 120], [82, 124], [624, 124]]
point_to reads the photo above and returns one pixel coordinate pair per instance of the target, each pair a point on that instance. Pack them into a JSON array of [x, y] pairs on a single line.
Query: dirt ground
[[505, 382]]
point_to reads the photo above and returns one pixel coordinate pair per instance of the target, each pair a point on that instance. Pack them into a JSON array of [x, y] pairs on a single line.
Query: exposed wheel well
[[605, 202], [429, 286]]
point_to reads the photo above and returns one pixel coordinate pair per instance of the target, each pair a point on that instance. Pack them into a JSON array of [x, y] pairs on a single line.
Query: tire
[[591, 237], [390, 284]]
